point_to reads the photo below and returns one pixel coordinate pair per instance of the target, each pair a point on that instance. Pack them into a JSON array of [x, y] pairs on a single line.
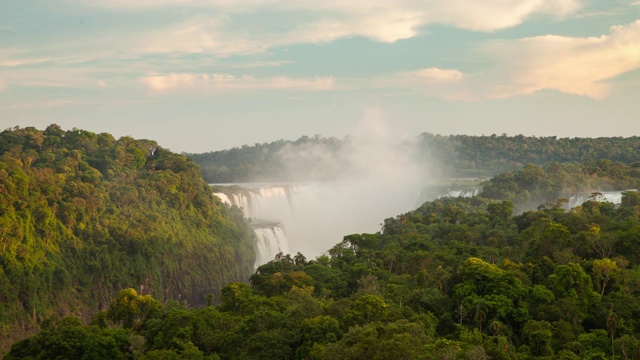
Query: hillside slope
[[83, 215]]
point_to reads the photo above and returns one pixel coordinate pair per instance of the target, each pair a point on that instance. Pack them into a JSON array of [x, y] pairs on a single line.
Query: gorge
[[310, 218]]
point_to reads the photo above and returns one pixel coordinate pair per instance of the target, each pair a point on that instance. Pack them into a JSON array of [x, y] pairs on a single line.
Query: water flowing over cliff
[[310, 218], [269, 242], [469, 188], [460, 193], [614, 197]]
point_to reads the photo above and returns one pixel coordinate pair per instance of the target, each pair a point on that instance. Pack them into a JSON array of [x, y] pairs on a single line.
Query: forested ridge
[[465, 155], [460, 278], [83, 215], [534, 185], [268, 161], [445, 156], [454, 279]]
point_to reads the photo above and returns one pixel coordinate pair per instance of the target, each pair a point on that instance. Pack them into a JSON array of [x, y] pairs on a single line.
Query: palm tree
[[299, 259], [481, 312]]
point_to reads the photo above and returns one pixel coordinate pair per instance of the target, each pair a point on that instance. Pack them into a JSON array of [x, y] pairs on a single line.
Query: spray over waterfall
[[311, 218], [614, 197]]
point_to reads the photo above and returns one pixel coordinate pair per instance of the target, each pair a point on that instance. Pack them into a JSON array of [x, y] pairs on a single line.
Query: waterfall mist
[[372, 175]]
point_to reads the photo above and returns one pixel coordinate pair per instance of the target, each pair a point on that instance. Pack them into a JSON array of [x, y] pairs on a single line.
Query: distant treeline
[[83, 215], [454, 279], [445, 156], [535, 185], [463, 155], [263, 162]]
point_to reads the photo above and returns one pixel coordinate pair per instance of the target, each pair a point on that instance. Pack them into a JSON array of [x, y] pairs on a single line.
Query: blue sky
[[202, 75]]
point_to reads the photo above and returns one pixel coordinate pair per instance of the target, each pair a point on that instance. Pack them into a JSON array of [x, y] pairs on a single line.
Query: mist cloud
[[359, 181], [374, 152]]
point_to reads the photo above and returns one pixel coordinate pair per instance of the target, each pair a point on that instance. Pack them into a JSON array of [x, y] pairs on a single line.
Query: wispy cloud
[[35, 104], [572, 65], [580, 66], [186, 81], [450, 84], [20, 62], [218, 32], [214, 34], [60, 77], [434, 74]]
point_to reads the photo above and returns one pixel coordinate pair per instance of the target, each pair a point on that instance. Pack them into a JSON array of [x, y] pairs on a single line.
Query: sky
[[206, 75]]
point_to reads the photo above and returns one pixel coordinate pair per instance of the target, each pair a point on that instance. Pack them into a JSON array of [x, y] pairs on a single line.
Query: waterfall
[[269, 242], [614, 197], [224, 198], [460, 193], [265, 204], [312, 218]]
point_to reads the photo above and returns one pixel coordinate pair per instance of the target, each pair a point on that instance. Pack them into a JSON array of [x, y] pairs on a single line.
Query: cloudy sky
[[202, 75]]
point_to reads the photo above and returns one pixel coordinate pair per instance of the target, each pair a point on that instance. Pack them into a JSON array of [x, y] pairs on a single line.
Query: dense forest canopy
[[303, 159], [535, 185], [464, 155], [83, 215], [454, 279], [444, 156]]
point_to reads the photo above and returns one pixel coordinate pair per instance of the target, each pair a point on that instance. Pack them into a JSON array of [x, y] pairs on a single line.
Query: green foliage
[[130, 308], [453, 279], [83, 215], [534, 185], [268, 161], [68, 338], [448, 156]]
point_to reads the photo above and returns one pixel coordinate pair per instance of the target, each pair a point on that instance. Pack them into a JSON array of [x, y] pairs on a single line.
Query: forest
[[117, 249], [84, 215], [445, 156], [535, 185], [453, 279]]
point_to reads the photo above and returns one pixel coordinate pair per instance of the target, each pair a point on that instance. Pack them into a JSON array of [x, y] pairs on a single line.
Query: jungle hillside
[[84, 215]]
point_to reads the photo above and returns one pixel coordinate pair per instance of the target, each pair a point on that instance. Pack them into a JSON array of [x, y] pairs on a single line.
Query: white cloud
[[580, 66], [21, 62], [216, 35], [496, 14], [435, 74], [325, 21], [185, 81], [572, 65], [2, 85], [450, 84], [58, 77], [34, 103]]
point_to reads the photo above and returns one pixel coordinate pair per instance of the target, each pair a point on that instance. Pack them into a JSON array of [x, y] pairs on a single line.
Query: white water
[[315, 217], [460, 193], [224, 198], [269, 242], [614, 197]]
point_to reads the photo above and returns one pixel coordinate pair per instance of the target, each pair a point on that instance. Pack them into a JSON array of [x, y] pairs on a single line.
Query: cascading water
[[614, 197], [269, 242], [436, 192], [460, 193], [312, 218], [266, 208], [224, 198]]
